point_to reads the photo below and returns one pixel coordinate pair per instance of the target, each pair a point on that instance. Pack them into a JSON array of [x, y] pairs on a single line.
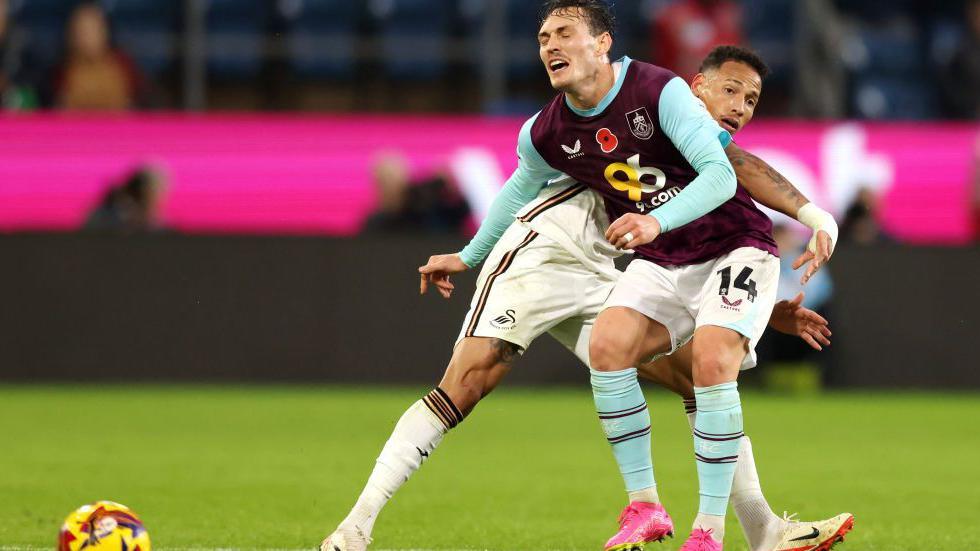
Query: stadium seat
[[44, 22], [945, 35], [892, 51], [769, 29], [893, 98], [871, 10], [41, 12], [236, 32], [632, 29], [414, 37], [469, 26], [320, 36], [522, 29], [146, 30]]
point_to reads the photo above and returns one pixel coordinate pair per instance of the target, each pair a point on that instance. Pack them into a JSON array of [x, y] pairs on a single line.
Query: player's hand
[[437, 272], [824, 248], [641, 229], [788, 316]]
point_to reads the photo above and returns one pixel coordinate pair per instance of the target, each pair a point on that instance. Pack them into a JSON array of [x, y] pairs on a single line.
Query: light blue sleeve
[[702, 142], [532, 174]]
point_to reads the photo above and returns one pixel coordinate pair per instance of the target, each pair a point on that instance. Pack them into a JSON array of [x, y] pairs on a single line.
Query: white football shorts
[[530, 285], [737, 291]]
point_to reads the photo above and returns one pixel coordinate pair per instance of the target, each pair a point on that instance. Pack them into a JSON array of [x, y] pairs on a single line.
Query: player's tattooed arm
[[764, 183], [770, 188]]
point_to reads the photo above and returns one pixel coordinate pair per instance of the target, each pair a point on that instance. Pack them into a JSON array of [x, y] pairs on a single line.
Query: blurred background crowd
[[866, 59]]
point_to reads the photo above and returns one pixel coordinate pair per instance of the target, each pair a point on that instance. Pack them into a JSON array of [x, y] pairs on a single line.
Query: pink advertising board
[[311, 174]]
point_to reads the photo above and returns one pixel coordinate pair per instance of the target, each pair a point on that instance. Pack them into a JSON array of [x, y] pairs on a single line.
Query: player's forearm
[[770, 188], [511, 199], [714, 185], [764, 183], [701, 141]]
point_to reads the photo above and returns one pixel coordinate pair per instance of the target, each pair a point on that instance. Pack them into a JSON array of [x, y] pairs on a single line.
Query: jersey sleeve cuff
[[467, 258]]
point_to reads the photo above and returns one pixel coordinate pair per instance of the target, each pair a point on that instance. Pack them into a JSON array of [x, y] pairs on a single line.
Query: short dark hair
[[721, 54], [598, 14]]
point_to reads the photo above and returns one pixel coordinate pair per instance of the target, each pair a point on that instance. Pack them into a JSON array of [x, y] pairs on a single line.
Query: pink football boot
[[639, 524], [701, 540]]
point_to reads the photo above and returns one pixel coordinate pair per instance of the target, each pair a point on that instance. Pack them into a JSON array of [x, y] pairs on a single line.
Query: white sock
[[758, 521], [417, 433], [646, 495], [714, 523]]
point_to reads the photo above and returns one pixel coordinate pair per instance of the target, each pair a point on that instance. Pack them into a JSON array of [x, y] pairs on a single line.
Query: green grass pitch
[[261, 468]]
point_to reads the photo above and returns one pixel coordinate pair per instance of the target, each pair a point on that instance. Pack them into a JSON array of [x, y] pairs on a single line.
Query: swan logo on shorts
[[506, 321]]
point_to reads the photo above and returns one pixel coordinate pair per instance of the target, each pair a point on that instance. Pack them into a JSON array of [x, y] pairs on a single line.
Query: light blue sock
[[717, 432], [626, 421]]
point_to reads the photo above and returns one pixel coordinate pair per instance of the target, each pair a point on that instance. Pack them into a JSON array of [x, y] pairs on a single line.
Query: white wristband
[[819, 220]]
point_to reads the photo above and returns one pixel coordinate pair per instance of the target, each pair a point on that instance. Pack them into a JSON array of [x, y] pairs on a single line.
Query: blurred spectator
[[16, 85], [860, 223], [133, 206], [961, 78], [404, 206], [93, 75], [686, 30]]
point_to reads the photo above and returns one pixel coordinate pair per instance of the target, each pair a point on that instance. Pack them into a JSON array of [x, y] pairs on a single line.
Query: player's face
[[569, 51], [730, 92]]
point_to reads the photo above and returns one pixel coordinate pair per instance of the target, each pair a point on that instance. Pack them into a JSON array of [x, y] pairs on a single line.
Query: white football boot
[[819, 535], [346, 538]]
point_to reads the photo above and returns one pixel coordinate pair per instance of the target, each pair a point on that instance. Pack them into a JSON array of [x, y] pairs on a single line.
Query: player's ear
[[697, 84], [603, 43]]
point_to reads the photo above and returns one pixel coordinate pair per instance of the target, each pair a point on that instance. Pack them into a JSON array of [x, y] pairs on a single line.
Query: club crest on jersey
[[575, 151], [641, 125], [607, 140]]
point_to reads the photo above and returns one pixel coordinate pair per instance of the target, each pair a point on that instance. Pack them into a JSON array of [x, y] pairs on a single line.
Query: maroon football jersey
[[623, 153]]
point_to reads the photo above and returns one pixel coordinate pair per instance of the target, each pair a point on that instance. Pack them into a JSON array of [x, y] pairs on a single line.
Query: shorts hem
[[671, 333], [750, 359], [520, 343], [733, 326]]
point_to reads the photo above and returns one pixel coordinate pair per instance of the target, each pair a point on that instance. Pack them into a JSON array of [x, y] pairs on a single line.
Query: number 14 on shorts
[[741, 282]]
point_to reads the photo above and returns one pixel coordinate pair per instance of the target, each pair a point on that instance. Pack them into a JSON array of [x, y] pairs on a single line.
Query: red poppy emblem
[[607, 140]]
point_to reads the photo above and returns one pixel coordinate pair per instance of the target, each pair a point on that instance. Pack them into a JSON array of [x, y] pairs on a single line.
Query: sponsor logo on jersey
[[658, 199], [607, 140], [575, 151], [729, 305], [633, 172], [506, 321], [640, 123]]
